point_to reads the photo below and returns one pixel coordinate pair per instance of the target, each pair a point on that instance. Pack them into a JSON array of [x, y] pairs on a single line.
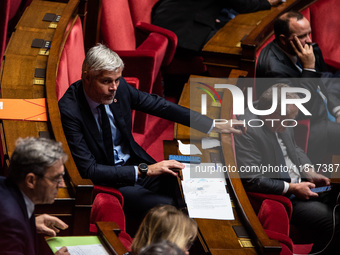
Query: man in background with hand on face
[[293, 59]]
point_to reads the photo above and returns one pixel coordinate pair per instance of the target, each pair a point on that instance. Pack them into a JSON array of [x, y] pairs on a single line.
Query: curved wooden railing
[[51, 75], [245, 210], [79, 188]]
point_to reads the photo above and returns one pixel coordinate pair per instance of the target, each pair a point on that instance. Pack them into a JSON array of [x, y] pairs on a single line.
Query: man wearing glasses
[[35, 174]]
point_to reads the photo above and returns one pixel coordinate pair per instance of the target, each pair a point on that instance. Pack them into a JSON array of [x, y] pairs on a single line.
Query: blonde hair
[[165, 223]]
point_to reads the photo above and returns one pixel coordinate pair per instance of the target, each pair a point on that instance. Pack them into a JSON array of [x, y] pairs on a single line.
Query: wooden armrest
[[107, 233]]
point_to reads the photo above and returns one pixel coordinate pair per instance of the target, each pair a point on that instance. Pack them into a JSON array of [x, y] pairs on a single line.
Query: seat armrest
[[133, 81], [143, 29], [108, 190], [256, 200]]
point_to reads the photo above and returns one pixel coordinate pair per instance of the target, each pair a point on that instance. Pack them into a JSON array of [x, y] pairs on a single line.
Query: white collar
[[29, 205]]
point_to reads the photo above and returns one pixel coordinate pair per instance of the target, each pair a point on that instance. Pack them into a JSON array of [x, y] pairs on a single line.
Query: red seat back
[[117, 28], [72, 57], [141, 10], [325, 22]]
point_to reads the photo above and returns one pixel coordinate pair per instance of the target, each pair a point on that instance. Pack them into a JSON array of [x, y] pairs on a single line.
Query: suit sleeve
[[246, 6], [15, 233], [249, 157], [158, 106]]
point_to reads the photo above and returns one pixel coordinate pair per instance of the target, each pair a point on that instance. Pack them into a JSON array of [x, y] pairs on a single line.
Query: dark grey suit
[[258, 147], [275, 64]]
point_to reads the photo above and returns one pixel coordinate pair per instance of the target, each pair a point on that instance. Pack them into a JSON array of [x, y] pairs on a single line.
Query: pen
[[49, 46]]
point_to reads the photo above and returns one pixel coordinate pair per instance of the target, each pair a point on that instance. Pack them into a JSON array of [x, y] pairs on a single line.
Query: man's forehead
[[56, 168], [108, 74], [296, 25]]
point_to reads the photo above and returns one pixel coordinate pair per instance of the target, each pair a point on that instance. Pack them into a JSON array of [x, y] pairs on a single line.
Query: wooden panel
[[21, 41], [18, 75], [74, 201], [34, 14]]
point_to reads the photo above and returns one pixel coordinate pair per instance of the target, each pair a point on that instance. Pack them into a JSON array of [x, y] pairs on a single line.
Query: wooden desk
[[218, 237], [190, 91], [73, 203], [234, 46]]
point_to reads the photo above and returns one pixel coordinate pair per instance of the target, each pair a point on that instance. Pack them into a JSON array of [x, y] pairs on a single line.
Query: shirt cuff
[[336, 111], [310, 69], [212, 126], [285, 188], [136, 173]]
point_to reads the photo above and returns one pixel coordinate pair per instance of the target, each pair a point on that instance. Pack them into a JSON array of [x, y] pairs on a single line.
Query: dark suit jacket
[[193, 20], [86, 143], [274, 63], [17, 235], [257, 148]]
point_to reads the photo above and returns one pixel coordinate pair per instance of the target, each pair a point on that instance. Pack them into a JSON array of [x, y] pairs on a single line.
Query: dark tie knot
[[101, 107]]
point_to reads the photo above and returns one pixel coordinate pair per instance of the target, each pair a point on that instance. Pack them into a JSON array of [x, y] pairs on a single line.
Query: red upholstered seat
[[144, 48], [71, 60], [181, 66], [274, 219], [141, 10], [108, 207], [325, 23]]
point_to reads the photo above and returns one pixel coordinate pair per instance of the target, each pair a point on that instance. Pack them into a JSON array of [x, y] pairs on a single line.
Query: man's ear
[[86, 75], [31, 180], [283, 39]]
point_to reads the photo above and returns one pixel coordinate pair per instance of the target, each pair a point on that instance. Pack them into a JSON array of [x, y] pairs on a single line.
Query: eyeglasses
[[56, 180]]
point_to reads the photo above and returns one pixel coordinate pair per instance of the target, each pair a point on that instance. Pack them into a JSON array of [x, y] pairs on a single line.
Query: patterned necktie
[[107, 134], [324, 99]]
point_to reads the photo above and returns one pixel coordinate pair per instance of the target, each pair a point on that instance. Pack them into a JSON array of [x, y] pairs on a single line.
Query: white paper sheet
[[208, 143], [207, 199], [204, 171], [90, 249], [188, 149]]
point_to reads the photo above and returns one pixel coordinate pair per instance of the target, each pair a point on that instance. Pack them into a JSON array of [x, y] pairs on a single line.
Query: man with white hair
[[96, 117]]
